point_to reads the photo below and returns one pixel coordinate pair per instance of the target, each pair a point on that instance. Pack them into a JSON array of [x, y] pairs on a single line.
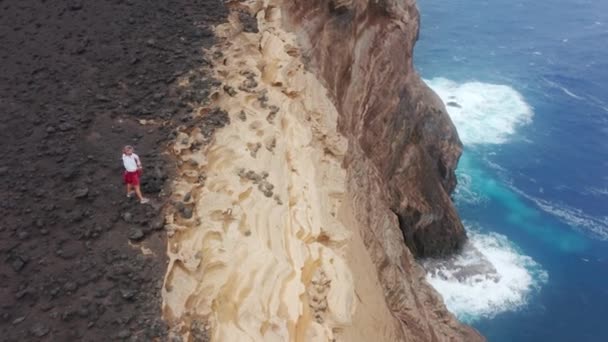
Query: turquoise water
[[530, 80]]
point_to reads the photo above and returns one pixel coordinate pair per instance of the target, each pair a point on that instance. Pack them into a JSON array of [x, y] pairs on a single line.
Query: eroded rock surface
[[332, 158], [403, 148], [362, 51]]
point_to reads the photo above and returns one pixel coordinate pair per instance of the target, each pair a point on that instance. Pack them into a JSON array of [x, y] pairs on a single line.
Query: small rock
[[101, 98], [124, 334], [263, 98], [187, 212], [3, 170], [18, 320], [70, 286], [229, 90], [64, 127], [50, 129], [157, 223], [136, 234], [39, 330], [22, 293], [17, 263], [127, 216], [127, 294], [23, 235], [83, 312], [69, 173], [81, 192], [46, 307], [248, 84]]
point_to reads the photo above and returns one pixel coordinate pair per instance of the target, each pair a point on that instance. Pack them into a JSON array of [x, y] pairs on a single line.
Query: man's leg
[[138, 192], [128, 189]]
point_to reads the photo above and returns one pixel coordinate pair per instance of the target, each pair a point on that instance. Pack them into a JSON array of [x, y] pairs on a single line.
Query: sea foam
[[488, 277], [483, 113], [591, 226]]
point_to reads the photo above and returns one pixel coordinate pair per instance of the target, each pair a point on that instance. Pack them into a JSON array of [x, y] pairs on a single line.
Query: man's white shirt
[[130, 162]]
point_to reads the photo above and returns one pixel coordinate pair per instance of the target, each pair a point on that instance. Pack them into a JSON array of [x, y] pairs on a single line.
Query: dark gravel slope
[[75, 78]]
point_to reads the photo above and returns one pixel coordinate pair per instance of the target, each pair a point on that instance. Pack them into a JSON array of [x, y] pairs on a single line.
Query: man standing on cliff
[[133, 170]]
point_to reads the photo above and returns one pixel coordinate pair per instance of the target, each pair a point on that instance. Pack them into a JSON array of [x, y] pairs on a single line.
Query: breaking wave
[[483, 113], [488, 277]]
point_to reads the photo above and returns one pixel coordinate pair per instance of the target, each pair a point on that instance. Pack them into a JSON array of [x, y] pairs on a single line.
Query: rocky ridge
[[292, 106]]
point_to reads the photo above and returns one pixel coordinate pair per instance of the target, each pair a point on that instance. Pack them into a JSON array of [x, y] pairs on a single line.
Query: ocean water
[[526, 84]]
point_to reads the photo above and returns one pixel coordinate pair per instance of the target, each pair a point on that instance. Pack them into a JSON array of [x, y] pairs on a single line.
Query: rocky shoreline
[[79, 79]]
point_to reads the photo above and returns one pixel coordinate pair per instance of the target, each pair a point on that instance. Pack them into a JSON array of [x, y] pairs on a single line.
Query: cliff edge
[[362, 51], [316, 172]]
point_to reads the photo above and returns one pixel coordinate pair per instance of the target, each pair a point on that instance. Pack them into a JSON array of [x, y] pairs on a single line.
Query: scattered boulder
[[124, 334], [39, 330], [157, 223], [187, 212], [17, 263], [81, 192], [127, 217], [127, 294], [214, 120], [136, 234]]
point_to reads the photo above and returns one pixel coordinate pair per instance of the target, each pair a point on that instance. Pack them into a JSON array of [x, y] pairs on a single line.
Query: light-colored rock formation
[[317, 154]]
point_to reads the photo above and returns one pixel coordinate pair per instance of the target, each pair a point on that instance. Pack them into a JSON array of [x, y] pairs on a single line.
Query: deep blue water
[[535, 168]]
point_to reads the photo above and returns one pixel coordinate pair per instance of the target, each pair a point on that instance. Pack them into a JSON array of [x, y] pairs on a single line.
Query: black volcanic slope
[[75, 78]]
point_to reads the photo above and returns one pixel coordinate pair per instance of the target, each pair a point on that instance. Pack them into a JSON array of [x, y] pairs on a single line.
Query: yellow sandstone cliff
[[319, 163]]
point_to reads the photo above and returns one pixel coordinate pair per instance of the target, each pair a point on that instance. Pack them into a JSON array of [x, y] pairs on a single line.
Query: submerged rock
[[454, 104]]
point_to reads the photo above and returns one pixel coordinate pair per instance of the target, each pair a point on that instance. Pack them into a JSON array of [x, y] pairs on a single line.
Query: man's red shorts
[[132, 177]]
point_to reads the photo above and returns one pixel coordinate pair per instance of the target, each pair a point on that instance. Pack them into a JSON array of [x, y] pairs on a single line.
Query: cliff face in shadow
[[362, 50], [402, 153]]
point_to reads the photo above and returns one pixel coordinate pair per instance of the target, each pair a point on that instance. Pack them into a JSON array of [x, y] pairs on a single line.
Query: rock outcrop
[[362, 51], [319, 168], [403, 148]]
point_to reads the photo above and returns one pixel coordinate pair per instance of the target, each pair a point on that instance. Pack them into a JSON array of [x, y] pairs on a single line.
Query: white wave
[[483, 113], [563, 89], [595, 227], [488, 277], [464, 192], [571, 94], [596, 191]]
